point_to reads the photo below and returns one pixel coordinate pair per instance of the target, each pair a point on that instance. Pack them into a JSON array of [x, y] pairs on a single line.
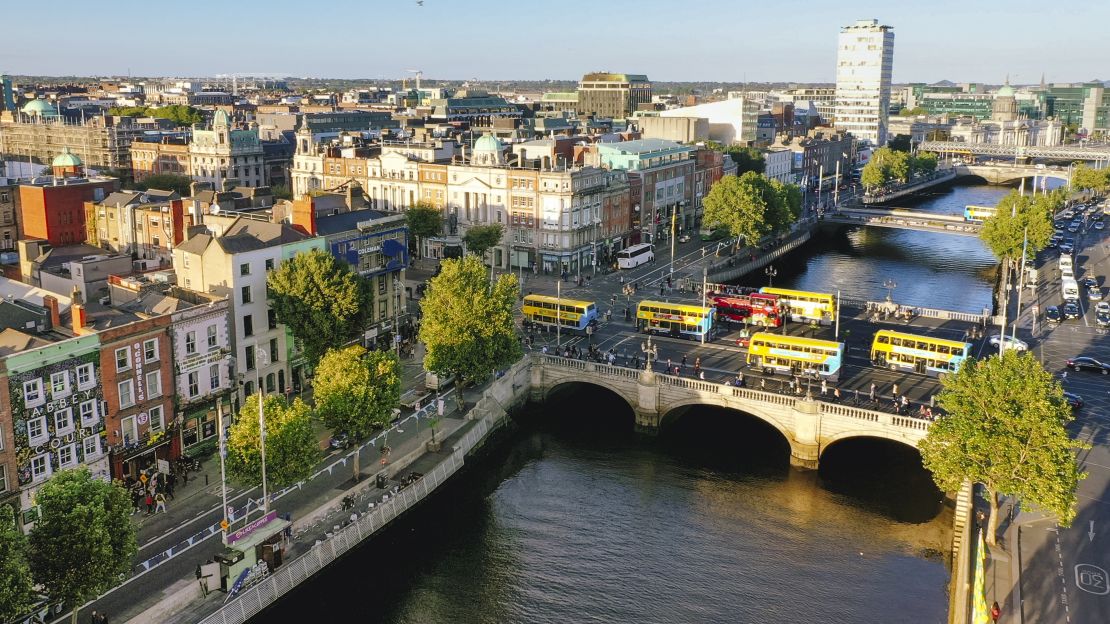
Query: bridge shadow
[[883, 476], [718, 438]]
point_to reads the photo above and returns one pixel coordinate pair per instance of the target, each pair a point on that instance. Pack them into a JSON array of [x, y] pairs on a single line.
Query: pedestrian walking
[[159, 502], [895, 390], [763, 383], [701, 375], [96, 616], [857, 397], [171, 483], [836, 394], [149, 503], [996, 611], [670, 366], [872, 393], [824, 387]]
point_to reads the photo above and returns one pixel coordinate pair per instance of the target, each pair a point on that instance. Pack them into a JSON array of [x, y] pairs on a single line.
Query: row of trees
[[888, 165], [751, 206], [178, 113], [746, 158], [1086, 178], [81, 546], [1017, 216]]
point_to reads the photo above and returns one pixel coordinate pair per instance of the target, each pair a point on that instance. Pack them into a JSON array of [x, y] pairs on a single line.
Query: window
[[150, 350], [59, 385], [126, 393], [271, 319], [3, 478], [270, 382], [40, 467], [129, 429], [123, 359], [248, 388], [36, 431], [190, 342], [249, 358], [245, 293], [193, 384], [92, 446], [211, 336], [245, 268], [248, 325], [154, 384], [214, 376], [269, 264], [63, 422], [85, 378], [32, 393], [87, 412], [157, 419], [273, 350], [67, 456]]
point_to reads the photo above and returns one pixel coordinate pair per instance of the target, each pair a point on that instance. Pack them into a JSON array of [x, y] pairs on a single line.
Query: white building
[[864, 60], [222, 153], [730, 121], [201, 344], [779, 165]]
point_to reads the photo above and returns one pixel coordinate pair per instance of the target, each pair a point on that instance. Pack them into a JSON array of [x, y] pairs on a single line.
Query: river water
[[573, 518], [930, 270]]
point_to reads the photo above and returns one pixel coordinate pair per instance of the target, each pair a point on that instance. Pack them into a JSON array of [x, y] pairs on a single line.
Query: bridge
[[1056, 152], [808, 425], [902, 219], [1004, 174]]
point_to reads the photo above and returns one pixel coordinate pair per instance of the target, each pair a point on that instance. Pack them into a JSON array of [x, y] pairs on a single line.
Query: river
[[573, 518]]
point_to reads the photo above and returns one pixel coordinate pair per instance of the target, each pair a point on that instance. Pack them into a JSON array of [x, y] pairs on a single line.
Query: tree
[[751, 206], [292, 450], [424, 220], [1005, 429], [1015, 215], [912, 112], [1085, 178], [323, 302], [900, 143], [167, 182], [84, 540], [900, 166], [356, 390], [468, 326], [481, 238], [873, 175], [15, 572], [281, 191], [925, 162], [178, 113], [747, 159]]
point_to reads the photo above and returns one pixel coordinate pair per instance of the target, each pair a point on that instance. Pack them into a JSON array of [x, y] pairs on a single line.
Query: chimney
[[50, 302], [303, 214], [230, 183], [196, 187], [78, 321]]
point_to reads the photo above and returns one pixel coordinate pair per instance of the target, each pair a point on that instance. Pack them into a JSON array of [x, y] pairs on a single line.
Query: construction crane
[[419, 74]]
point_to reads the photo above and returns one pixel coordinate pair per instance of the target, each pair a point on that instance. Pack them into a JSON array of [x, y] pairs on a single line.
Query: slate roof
[[14, 341], [346, 221]]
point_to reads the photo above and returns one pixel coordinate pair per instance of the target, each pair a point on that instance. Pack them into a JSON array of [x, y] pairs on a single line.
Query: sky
[[679, 40]]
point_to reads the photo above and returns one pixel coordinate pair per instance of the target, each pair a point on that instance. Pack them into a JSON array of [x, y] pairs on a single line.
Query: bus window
[[896, 341], [884, 340]]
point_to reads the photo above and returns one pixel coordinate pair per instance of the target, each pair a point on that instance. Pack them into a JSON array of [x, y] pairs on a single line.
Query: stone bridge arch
[[615, 389], [785, 429], [874, 434]]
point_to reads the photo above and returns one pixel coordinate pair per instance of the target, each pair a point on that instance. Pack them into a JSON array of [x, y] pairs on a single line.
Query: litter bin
[[381, 481]]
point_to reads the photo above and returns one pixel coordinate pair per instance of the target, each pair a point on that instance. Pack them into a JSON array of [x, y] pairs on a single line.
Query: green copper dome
[[487, 143], [39, 107], [66, 159]]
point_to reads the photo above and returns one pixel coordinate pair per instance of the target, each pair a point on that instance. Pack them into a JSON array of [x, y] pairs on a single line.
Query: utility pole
[[559, 313], [1021, 276], [704, 284], [223, 470]]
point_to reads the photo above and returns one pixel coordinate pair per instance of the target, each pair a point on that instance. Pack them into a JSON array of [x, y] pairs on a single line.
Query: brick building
[[166, 157], [52, 208]]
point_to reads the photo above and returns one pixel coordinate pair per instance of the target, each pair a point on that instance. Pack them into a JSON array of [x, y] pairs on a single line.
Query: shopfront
[[153, 453], [198, 426]]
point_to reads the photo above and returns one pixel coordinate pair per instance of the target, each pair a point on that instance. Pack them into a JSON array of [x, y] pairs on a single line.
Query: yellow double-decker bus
[[674, 319], [805, 306], [796, 355], [571, 314], [922, 354]]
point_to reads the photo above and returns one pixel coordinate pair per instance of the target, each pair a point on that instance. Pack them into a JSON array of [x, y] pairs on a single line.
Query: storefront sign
[[251, 528], [164, 466]]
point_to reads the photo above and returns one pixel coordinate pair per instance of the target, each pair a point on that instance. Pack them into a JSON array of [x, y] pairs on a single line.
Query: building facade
[[52, 208], [166, 157], [864, 61], [661, 177], [9, 211], [222, 153], [39, 134], [139, 223], [616, 96], [201, 341]]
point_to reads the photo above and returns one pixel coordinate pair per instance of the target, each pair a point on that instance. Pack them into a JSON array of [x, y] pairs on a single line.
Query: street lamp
[[890, 285], [650, 351], [770, 272]]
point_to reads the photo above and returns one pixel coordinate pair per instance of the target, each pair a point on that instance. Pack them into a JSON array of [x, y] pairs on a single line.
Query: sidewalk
[[1002, 576]]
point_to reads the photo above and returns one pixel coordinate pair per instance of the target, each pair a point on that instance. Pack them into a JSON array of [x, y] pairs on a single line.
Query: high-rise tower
[[864, 59]]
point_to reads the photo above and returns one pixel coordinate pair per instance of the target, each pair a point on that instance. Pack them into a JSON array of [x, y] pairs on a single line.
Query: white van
[[1066, 264], [1069, 288]]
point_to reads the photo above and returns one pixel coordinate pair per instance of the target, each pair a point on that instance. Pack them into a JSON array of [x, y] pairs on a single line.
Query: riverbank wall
[[963, 547]]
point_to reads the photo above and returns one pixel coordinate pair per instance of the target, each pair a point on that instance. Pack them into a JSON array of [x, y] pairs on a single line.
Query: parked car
[[1066, 247], [1071, 310], [1094, 293], [1099, 225], [1052, 314], [1008, 342], [339, 442], [685, 238], [1089, 282], [1073, 400], [1085, 363], [1102, 318]]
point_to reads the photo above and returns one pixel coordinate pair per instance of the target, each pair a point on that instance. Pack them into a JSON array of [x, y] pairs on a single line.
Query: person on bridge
[[872, 395], [996, 611]]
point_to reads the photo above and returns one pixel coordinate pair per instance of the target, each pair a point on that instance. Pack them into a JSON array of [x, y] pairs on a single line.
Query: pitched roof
[[346, 221], [249, 235], [196, 244], [14, 341], [121, 198]]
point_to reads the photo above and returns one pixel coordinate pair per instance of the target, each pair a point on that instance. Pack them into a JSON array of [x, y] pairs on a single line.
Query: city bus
[[674, 319], [752, 308], [805, 306], [922, 354], [796, 355], [978, 214], [635, 255], [573, 315]]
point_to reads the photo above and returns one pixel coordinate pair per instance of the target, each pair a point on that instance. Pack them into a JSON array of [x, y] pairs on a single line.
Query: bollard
[[206, 480]]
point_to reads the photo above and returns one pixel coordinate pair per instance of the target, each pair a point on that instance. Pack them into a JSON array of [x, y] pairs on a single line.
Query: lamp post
[[770, 272], [650, 351], [890, 285], [262, 359]]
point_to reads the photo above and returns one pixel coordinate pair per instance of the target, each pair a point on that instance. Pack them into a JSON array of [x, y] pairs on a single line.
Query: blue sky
[[782, 40]]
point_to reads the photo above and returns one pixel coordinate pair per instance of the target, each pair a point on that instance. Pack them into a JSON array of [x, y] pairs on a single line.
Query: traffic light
[[223, 524]]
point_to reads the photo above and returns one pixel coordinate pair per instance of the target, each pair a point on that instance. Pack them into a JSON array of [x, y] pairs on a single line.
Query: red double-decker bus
[[752, 308]]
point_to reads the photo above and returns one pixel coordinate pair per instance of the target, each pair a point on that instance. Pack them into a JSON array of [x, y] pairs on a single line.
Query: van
[[1066, 263], [1069, 288]]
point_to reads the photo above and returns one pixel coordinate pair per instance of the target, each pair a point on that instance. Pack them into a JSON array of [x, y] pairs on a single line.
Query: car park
[[1073, 228], [1085, 363], [1071, 310], [1052, 314], [1008, 342]]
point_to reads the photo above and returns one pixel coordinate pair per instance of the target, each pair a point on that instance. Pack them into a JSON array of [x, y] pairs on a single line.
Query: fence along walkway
[[259, 596]]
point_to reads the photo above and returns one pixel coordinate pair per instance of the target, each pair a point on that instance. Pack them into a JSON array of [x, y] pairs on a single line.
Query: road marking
[[1091, 533], [1091, 579]]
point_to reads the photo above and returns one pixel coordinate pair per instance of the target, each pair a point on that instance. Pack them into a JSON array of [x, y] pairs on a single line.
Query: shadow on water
[[882, 476]]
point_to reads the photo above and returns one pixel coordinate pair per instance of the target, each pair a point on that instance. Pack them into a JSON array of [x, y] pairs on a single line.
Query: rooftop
[[644, 146], [347, 221]]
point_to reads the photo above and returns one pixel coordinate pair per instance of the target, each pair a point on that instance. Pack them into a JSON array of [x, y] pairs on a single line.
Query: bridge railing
[[882, 418]]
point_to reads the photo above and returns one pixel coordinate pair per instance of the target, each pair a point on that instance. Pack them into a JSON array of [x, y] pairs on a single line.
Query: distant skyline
[[691, 40]]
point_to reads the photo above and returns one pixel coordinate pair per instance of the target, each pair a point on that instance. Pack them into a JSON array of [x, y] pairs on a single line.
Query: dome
[[1005, 91], [488, 143], [38, 107], [66, 159]]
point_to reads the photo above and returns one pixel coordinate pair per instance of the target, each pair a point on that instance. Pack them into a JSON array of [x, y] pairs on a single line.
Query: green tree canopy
[[1004, 232], [292, 450], [281, 191], [912, 112], [84, 539], [925, 162], [166, 182], [900, 143], [1005, 429], [323, 302], [750, 206], [356, 390], [468, 326], [894, 164], [424, 220], [747, 159], [178, 113], [15, 571], [1085, 178], [481, 238]]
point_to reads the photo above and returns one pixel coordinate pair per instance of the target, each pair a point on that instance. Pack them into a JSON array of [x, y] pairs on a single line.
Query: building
[[233, 262], [824, 98], [81, 269], [222, 153], [730, 121], [9, 211], [709, 167], [779, 165], [145, 224], [615, 96], [864, 60], [473, 106], [38, 133], [672, 128], [661, 178], [818, 158], [165, 157], [52, 208]]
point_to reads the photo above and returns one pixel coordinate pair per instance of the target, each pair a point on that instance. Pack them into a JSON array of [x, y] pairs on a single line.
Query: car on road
[[1099, 225], [1103, 307], [1052, 314], [1102, 318], [685, 238], [1071, 310], [1089, 282], [1073, 400], [1085, 363], [1066, 247], [1008, 342], [1073, 228], [1094, 293]]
